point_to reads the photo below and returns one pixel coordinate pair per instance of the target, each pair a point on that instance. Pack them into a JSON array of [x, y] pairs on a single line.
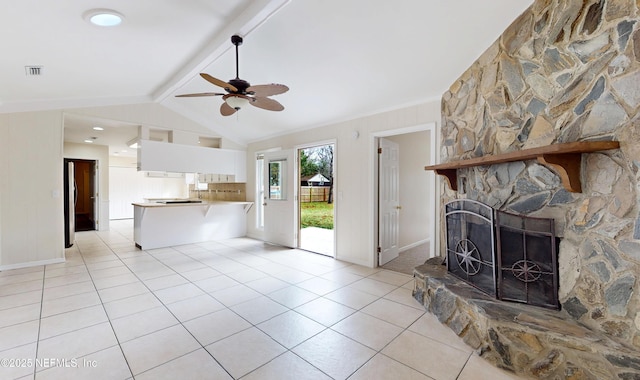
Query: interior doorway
[[86, 212], [405, 198], [316, 206]]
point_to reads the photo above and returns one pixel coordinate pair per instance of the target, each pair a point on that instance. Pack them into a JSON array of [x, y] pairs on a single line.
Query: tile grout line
[[287, 350], [330, 327], [44, 273], [240, 316], [105, 310], [167, 308], [463, 367], [318, 296], [338, 332], [379, 297], [381, 349]]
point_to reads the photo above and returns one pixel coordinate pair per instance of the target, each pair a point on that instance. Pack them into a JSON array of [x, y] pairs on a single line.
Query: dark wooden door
[[85, 205]]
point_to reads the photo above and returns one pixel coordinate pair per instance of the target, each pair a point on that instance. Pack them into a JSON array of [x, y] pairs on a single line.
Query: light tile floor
[[233, 309]]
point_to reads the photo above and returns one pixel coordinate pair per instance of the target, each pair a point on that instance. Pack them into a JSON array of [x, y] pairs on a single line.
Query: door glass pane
[[277, 175], [260, 197]]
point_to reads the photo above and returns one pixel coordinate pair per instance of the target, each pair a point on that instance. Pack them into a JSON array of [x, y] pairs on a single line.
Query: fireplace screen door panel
[[470, 253], [527, 260]]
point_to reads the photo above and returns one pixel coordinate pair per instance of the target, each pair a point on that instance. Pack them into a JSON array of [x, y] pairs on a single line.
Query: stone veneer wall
[[564, 71]]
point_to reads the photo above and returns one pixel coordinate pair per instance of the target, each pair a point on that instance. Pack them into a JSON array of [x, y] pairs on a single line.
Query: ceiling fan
[[240, 92]]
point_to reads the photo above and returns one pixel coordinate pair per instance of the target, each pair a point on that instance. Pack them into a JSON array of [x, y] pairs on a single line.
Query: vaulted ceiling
[[341, 58]]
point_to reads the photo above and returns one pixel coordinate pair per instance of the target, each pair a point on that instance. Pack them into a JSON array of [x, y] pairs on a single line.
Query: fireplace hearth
[[507, 256]]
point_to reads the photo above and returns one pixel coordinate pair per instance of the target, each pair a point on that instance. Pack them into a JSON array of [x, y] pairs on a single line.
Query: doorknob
[[399, 207]]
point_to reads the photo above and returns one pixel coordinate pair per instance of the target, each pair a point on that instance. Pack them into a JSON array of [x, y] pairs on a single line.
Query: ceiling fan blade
[[226, 110], [218, 82], [199, 94], [267, 104], [263, 90]]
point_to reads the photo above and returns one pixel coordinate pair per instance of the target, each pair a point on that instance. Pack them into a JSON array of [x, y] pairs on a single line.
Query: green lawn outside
[[316, 214]]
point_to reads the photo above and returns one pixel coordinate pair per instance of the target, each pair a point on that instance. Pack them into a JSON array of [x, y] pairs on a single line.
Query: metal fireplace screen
[[510, 257], [527, 260], [470, 253]]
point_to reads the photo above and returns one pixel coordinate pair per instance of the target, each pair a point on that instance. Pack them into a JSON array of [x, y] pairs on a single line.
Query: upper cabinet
[[241, 165], [168, 157]]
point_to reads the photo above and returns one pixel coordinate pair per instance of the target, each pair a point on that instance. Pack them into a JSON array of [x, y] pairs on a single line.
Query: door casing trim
[[434, 240]]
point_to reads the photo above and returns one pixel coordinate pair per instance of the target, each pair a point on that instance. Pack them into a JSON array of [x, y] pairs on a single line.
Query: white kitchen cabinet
[[216, 178], [168, 157], [208, 178], [240, 172]]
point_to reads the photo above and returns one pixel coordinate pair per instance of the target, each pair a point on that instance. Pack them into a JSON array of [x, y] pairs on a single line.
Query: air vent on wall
[[33, 71]]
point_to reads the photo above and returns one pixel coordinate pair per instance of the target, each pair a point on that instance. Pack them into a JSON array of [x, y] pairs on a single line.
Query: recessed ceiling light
[[98, 129], [88, 141], [103, 17]]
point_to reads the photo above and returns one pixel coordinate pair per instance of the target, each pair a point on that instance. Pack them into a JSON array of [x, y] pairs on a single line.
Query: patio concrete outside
[[319, 240]]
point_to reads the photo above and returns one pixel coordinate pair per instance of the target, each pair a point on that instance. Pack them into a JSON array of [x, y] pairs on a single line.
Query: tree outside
[[317, 160]]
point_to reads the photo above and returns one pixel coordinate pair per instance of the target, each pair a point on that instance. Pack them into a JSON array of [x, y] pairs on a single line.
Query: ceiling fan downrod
[[237, 41]]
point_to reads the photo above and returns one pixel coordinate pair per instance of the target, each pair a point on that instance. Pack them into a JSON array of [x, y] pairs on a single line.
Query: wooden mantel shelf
[[565, 159]]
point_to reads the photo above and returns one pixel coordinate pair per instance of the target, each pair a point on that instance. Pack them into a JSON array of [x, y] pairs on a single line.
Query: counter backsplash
[[221, 192]]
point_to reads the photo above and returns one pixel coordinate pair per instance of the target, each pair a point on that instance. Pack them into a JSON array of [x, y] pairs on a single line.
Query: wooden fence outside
[[314, 193]]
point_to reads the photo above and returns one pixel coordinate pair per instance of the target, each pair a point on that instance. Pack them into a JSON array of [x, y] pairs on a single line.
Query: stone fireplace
[[565, 71]]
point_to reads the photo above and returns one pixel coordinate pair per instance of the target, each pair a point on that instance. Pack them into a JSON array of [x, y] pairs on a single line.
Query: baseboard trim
[[413, 245], [31, 264]]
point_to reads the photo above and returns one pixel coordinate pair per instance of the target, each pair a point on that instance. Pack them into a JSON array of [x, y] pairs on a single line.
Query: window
[[260, 191], [277, 176]]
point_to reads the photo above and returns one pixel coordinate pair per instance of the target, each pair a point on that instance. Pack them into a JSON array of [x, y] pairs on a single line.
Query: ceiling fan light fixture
[[103, 17], [240, 92], [237, 102]]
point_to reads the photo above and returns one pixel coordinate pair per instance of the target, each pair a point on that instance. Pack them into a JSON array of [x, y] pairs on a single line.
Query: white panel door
[[279, 212], [389, 200]]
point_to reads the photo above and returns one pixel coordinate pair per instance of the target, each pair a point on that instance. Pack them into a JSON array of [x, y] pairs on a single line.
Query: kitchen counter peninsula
[[174, 222]]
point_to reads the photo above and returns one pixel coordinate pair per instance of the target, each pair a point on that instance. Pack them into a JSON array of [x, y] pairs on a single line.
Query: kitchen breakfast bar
[[175, 222]]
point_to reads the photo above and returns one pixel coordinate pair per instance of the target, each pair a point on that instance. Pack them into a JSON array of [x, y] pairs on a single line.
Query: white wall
[[99, 153], [354, 174], [415, 188], [31, 203]]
